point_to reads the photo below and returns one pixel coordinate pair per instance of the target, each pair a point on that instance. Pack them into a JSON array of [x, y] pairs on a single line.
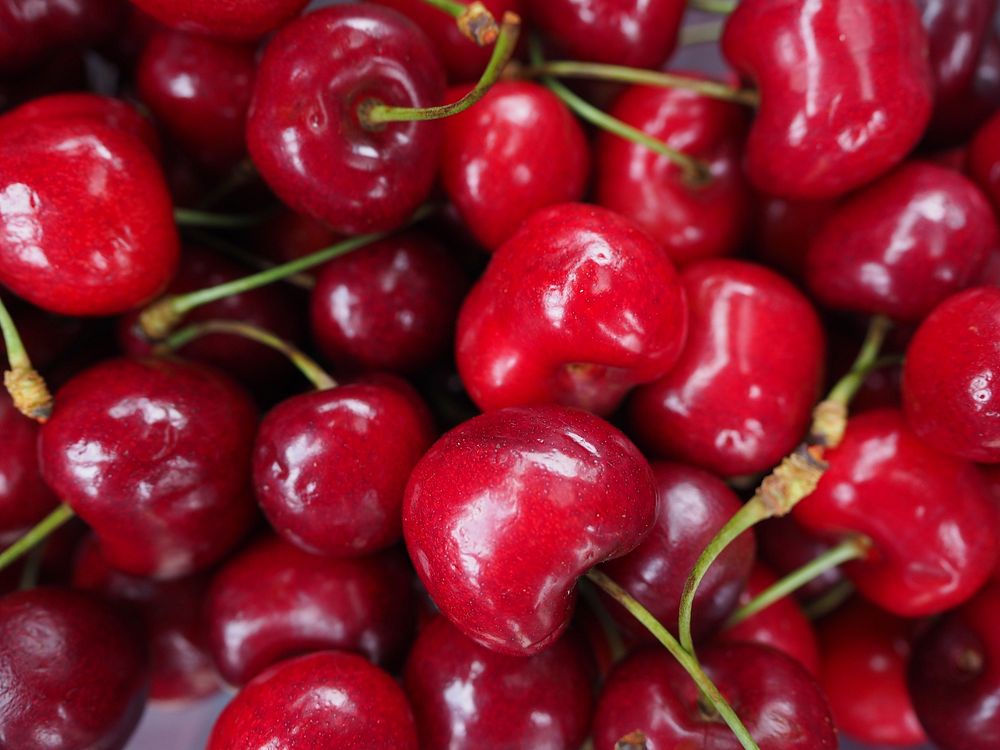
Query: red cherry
[[24, 497], [783, 230], [785, 546], [984, 159], [576, 308], [318, 702], [951, 376], [304, 133], [487, 522], [928, 516], [154, 455], [737, 402], [517, 151], [229, 19], [542, 702], [845, 90], [31, 32]]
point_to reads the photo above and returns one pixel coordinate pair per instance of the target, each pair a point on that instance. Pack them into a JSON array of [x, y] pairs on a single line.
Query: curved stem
[[722, 7], [192, 217], [683, 656], [830, 601], [701, 33], [36, 535], [26, 387]]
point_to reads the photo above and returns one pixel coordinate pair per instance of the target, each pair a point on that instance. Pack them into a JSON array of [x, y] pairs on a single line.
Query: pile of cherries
[[648, 411]]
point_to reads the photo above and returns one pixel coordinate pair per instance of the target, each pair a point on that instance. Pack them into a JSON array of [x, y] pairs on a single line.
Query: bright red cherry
[[542, 702], [928, 515], [951, 376], [785, 546], [692, 222], [845, 90], [330, 699], [229, 19], [576, 308], [783, 230], [155, 456], [24, 497], [304, 131], [75, 675], [735, 403], [31, 32], [903, 244], [489, 528]]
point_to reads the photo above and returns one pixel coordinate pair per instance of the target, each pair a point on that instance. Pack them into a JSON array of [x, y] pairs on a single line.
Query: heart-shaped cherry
[[229, 19], [24, 497], [32, 32]]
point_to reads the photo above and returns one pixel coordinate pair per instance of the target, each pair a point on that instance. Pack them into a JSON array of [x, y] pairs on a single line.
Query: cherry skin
[[542, 701], [32, 32], [154, 455], [86, 222], [229, 19], [928, 516], [785, 546], [694, 505], [950, 376], [24, 497], [576, 308], [75, 673], [783, 230], [736, 403], [983, 160], [331, 699], [304, 132], [692, 222], [779, 703], [486, 522], [903, 244], [838, 108]]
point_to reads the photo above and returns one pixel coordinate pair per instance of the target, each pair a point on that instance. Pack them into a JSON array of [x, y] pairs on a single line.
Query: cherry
[[950, 376], [326, 700], [928, 516], [649, 694], [692, 222], [783, 230], [576, 308], [75, 675], [32, 32], [24, 497], [154, 455], [838, 106], [517, 151], [542, 701], [229, 19], [785, 546], [486, 522], [903, 244], [984, 159], [735, 403]]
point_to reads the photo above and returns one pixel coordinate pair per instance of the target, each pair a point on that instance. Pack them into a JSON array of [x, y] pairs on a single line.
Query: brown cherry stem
[[26, 387], [475, 22]]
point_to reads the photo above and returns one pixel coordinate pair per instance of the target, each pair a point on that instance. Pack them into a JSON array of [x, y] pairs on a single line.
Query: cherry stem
[[607, 623], [36, 535], [26, 387], [303, 362], [701, 33], [475, 22], [851, 548], [374, 113], [191, 217], [303, 281], [683, 656], [830, 601], [722, 7]]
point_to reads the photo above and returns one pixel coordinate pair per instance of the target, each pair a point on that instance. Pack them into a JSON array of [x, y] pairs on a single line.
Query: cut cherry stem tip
[[475, 22], [36, 535], [26, 387]]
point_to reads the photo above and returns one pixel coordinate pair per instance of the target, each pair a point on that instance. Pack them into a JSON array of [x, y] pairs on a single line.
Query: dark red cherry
[[779, 703], [542, 702], [785, 546], [782, 231], [694, 505], [845, 90], [155, 456], [75, 675], [951, 376], [304, 133], [31, 32], [332, 699], [229, 19], [954, 675], [928, 515], [576, 308], [903, 244], [692, 222], [507, 510], [737, 402], [24, 497]]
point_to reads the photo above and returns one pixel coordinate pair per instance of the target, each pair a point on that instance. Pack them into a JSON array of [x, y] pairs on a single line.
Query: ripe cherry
[[24, 497], [229, 19], [30, 33]]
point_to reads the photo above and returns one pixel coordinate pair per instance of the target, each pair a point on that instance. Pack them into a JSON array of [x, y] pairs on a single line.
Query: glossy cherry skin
[[230, 19], [86, 222], [75, 675], [785, 546], [736, 403], [903, 244], [782, 231], [388, 306], [486, 522], [542, 701], [779, 703], [199, 90], [171, 614], [331, 699], [32, 32], [950, 376], [24, 497], [865, 652], [694, 505], [928, 516], [692, 222], [954, 675], [304, 134], [330, 467], [845, 90], [155, 456], [576, 308]]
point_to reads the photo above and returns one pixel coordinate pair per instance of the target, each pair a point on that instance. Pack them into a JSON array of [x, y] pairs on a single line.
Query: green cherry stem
[[192, 217], [36, 535], [701, 33], [721, 7], [683, 656], [830, 601], [26, 387]]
